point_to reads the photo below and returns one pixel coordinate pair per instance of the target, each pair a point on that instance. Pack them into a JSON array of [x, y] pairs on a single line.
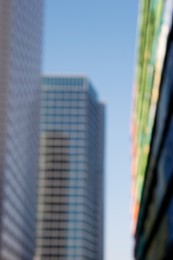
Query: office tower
[[70, 192], [20, 54], [152, 133]]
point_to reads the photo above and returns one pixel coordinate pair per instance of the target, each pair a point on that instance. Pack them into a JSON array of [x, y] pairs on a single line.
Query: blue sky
[[98, 38]]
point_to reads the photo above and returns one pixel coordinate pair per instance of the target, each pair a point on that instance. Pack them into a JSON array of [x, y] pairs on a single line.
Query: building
[[20, 61], [70, 192], [152, 133]]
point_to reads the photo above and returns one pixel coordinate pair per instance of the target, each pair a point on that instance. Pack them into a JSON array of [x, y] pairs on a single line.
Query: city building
[[70, 193], [152, 133], [20, 64]]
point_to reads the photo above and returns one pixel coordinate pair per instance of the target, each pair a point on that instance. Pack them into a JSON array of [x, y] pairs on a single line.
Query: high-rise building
[[20, 63], [70, 192], [152, 133]]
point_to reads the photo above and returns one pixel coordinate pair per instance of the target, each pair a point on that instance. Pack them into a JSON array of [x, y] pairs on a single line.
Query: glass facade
[[20, 63], [152, 166], [70, 192]]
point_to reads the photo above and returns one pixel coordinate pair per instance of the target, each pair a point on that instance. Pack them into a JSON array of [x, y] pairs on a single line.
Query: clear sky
[[98, 38]]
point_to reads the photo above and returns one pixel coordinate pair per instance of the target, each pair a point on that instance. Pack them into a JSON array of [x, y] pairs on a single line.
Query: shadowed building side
[[153, 134]]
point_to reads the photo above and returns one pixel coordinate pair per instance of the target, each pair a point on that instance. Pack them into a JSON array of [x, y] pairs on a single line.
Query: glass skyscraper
[[152, 133], [20, 60], [70, 192]]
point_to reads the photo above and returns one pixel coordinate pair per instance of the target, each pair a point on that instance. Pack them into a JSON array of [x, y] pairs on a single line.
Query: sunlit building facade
[[20, 63], [70, 192], [152, 133]]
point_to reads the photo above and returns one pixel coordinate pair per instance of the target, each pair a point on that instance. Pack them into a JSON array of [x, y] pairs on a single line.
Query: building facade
[[152, 134], [70, 192], [20, 64]]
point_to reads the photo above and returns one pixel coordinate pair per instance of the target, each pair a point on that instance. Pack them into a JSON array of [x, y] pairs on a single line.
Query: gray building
[[70, 192], [20, 60]]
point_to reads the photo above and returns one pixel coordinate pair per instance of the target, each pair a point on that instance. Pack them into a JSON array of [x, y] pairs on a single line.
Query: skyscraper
[[70, 192], [152, 133], [20, 60]]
